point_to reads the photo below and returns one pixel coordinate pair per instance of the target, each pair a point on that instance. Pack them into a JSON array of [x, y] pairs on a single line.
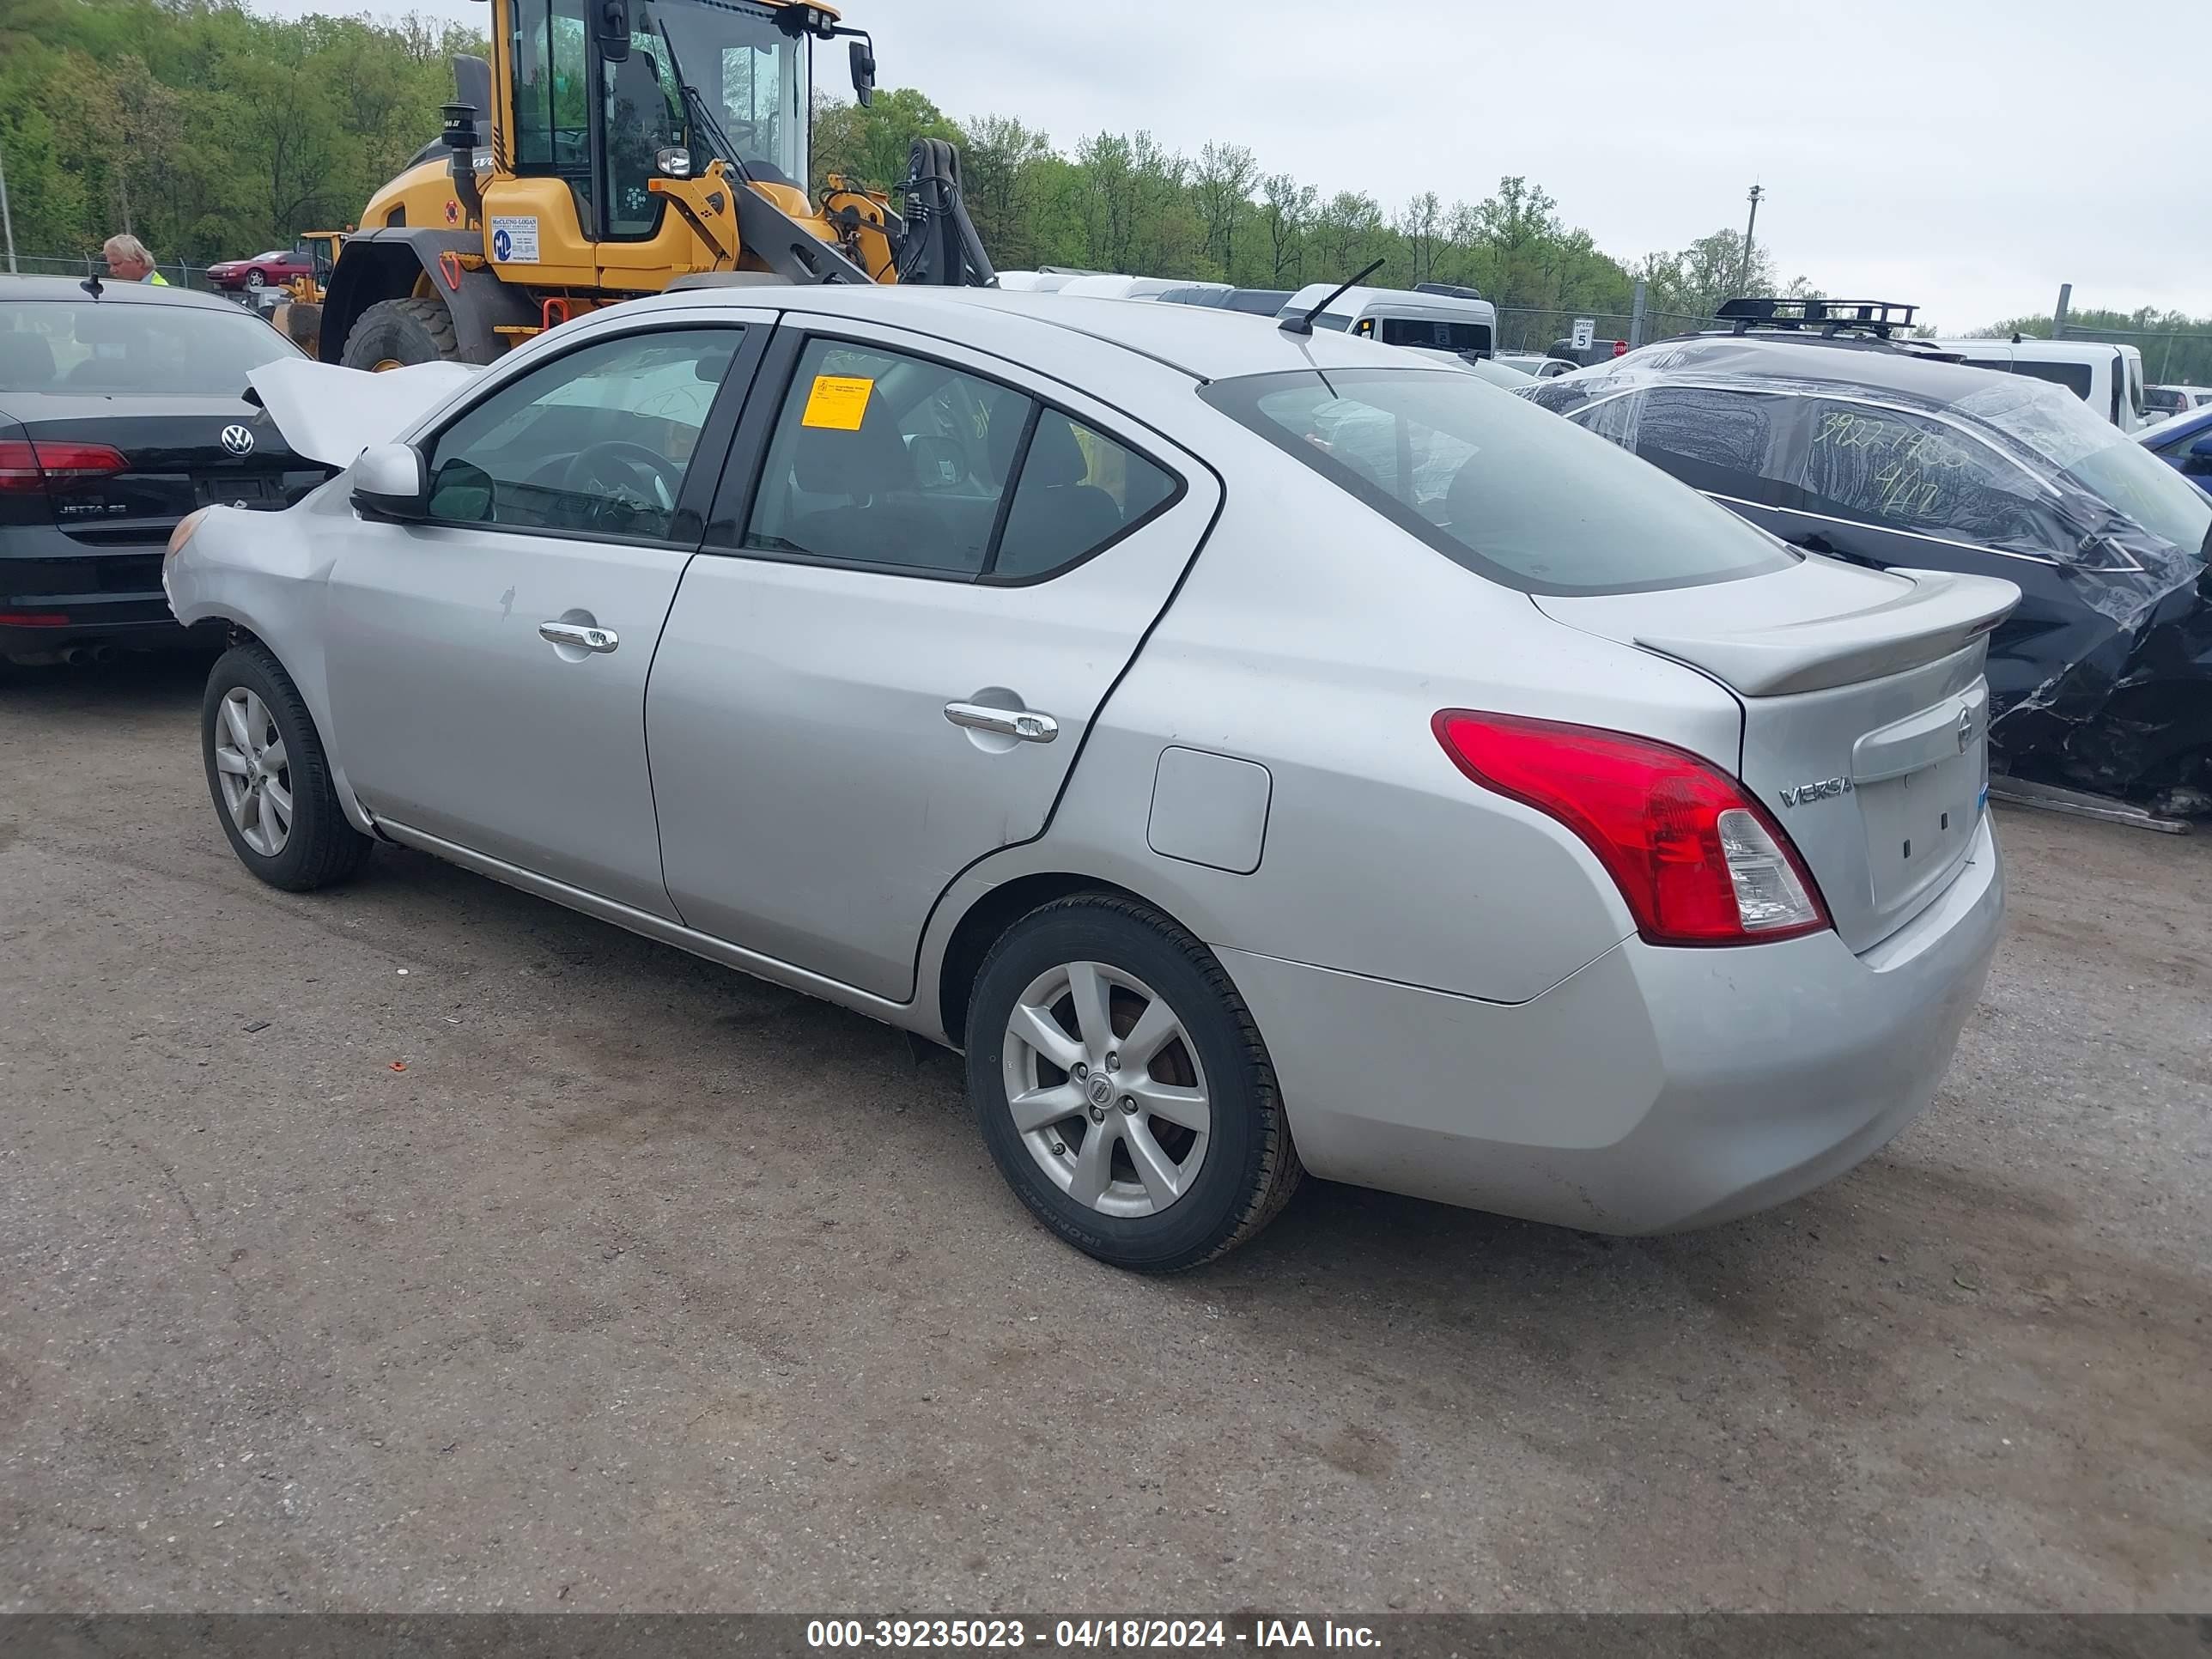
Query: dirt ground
[[645, 1285]]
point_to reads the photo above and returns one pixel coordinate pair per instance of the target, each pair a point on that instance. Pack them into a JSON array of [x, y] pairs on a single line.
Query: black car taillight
[[30, 466]]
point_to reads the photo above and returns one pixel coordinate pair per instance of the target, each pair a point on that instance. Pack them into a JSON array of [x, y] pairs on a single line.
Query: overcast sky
[[1967, 155]]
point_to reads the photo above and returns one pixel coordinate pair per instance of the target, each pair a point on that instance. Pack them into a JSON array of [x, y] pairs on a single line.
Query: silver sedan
[[1258, 752]]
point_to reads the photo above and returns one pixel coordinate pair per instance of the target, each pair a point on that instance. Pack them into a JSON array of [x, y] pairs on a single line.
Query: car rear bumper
[[1656, 1088], [79, 595]]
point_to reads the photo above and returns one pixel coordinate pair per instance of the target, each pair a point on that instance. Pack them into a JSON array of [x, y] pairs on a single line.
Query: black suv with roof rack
[[1819, 420]]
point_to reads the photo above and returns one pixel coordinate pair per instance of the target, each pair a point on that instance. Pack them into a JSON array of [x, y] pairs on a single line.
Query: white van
[[2107, 378], [1106, 286], [1401, 317]]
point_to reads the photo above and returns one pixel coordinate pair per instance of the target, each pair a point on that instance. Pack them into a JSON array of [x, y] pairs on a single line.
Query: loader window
[[552, 95], [645, 115]]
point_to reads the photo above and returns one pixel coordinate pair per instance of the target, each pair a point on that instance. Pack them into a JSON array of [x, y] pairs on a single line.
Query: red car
[[278, 265]]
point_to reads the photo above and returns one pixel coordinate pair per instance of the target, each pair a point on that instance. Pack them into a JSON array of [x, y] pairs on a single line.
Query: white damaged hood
[[331, 414]]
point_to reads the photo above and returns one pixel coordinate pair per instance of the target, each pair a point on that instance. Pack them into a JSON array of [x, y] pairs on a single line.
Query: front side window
[[1885, 467], [1494, 483], [597, 442]]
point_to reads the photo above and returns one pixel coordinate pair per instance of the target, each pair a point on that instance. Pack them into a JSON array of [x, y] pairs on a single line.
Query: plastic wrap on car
[[2131, 715]]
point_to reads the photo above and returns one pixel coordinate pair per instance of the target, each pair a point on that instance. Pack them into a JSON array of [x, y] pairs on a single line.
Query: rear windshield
[[89, 346], [1507, 489]]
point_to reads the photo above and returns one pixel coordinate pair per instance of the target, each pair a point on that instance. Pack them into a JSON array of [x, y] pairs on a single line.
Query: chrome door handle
[[1026, 724], [578, 633]]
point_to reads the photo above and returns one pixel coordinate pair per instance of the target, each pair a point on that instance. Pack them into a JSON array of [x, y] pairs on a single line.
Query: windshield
[[1494, 483], [179, 351], [2098, 457], [750, 76]]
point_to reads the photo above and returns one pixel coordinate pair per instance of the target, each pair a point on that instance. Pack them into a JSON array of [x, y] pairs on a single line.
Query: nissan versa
[[1259, 751]]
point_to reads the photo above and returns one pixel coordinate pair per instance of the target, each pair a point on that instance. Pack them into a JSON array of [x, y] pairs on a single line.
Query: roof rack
[[1880, 317]]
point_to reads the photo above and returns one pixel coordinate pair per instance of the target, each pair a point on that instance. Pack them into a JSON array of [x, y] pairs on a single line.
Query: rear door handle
[[1026, 723], [582, 635]]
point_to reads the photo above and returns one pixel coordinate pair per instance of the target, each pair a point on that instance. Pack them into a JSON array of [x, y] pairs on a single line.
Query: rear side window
[[2076, 378], [124, 347], [1078, 490], [1712, 439], [1436, 336], [886, 460], [1505, 489]]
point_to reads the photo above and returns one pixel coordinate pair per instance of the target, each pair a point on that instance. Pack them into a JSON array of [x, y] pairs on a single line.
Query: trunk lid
[[180, 454], [1865, 715]]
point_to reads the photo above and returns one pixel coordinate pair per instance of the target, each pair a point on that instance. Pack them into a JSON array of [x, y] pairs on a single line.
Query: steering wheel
[[622, 481]]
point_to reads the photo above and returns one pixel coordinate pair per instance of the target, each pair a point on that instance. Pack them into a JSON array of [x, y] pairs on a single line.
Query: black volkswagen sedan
[[1886, 453], [122, 408]]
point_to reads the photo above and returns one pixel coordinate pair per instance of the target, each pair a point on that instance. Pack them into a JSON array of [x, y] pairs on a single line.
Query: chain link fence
[[176, 273], [1521, 328]]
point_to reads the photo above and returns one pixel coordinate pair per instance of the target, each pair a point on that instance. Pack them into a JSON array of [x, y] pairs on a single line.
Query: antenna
[[1304, 324]]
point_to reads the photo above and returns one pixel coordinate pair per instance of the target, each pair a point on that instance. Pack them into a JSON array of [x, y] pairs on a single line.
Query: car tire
[[288, 828], [256, 278], [400, 333], [1200, 1192]]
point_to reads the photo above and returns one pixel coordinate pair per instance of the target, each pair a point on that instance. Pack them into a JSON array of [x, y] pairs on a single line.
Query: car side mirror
[[2200, 456], [864, 72], [392, 481], [614, 30]]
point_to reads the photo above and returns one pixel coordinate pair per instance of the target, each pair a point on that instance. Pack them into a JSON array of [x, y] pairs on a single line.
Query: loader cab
[[604, 111]]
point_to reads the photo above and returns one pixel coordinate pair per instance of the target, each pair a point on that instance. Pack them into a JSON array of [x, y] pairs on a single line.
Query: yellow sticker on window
[[838, 402]]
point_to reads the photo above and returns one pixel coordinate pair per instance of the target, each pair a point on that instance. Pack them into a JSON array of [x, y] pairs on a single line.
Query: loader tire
[[399, 333]]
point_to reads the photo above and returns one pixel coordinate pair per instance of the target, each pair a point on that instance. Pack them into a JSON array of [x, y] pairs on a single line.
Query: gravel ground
[[419, 1246]]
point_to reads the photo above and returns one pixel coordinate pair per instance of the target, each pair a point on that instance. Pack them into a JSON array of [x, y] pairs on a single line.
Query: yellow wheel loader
[[615, 148]]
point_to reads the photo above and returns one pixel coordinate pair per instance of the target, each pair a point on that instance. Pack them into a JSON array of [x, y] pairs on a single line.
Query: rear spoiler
[[331, 413], [1943, 612]]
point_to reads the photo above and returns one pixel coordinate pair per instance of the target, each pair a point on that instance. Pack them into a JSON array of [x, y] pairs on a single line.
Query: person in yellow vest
[[129, 261]]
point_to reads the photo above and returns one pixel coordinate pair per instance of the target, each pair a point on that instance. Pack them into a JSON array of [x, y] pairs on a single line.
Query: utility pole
[[6, 222], [2058, 317], [1744, 285]]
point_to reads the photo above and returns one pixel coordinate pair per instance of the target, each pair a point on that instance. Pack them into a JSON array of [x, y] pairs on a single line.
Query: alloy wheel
[[255, 772], [1106, 1090]]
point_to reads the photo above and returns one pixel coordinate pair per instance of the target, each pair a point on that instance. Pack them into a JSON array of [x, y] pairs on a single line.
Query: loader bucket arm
[[940, 246]]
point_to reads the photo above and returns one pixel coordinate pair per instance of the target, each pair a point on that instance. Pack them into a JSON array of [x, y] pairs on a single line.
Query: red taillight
[[32, 619], [29, 465], [1698, 860]]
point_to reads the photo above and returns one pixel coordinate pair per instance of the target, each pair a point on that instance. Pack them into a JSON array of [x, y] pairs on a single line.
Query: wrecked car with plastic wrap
[[1890, 455]]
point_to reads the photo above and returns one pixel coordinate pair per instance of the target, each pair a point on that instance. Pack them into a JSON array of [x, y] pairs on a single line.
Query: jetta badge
[[1820, 789], [1965, 729], [238, 439]]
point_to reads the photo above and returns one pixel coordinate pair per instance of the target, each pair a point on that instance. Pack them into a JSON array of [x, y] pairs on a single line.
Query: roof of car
[[1205, 342], [1843, 361], [1353, 301], [112, 291]]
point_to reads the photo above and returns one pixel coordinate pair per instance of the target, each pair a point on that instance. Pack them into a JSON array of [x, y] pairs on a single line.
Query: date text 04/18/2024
[[1088, 1634]]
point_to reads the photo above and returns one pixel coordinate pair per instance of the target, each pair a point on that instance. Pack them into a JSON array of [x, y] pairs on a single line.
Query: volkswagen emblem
[[1965, 729], [238, 439]]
